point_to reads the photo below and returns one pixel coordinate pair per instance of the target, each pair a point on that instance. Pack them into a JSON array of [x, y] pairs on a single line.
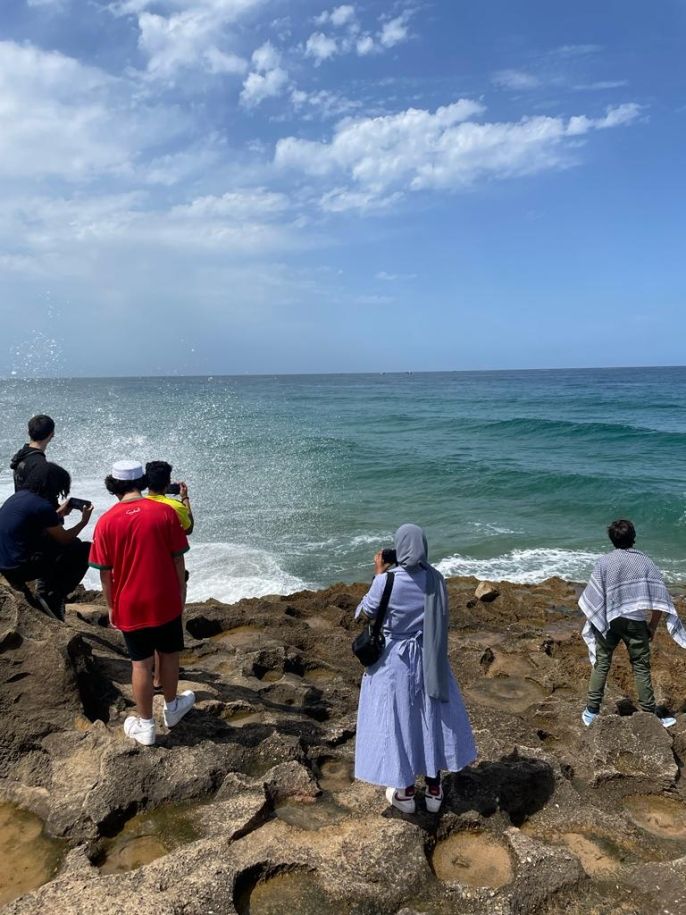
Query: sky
[[266, 186]]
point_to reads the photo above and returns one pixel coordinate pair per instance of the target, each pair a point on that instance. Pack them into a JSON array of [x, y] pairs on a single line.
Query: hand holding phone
[[79, 504]]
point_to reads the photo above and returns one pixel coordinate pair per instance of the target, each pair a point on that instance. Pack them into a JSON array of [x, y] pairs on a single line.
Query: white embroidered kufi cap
[[127, 470]]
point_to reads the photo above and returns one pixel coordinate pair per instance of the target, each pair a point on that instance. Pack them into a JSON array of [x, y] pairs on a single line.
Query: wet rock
[[486, 592]]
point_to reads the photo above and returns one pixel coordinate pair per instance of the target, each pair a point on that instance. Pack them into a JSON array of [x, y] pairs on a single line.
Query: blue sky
[[228, 186]]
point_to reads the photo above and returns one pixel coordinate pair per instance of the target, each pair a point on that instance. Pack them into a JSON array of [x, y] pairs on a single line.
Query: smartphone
[[79, 504], [173, 489]]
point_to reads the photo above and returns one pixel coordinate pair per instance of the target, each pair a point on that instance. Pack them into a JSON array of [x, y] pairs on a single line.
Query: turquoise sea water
[[297, 480]]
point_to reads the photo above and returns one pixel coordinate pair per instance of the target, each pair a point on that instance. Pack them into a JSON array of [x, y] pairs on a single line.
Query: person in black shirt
[[34, 543], [41, 432]]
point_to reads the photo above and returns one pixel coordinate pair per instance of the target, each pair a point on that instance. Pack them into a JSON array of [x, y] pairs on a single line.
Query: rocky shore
[[248, 806]]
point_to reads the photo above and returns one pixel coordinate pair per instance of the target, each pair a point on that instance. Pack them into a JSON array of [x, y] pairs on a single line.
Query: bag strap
[[383, 605]]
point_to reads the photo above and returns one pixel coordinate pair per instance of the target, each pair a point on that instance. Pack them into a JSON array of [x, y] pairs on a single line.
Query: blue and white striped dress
[[402, 732]]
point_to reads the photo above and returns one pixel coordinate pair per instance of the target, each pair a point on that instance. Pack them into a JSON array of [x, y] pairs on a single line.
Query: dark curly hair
[[48, 480], [622, 533], [121, 487]]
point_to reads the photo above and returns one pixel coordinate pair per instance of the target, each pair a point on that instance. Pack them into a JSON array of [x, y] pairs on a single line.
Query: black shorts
[[143, 643]]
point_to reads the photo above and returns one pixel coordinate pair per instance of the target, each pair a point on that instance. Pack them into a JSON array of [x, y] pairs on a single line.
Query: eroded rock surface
[[249, 806]]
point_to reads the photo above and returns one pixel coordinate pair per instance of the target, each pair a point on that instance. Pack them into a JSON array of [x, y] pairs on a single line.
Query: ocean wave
[[523, 566], [229, 572], [536, 425], [492, 530]]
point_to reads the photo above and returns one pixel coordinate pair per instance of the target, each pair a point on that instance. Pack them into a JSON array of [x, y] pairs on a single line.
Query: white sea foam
[[379, 540], [225, 571], [229, 572], [523, 566], [492, 530]]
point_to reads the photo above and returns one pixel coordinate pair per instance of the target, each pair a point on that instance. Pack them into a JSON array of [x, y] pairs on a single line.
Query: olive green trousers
[[636, 636]]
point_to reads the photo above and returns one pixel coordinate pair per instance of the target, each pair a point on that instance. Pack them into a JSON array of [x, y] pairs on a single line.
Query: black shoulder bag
[[368, 646]]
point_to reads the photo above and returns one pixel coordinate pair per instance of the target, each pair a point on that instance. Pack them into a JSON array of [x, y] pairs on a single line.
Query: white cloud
[[516, 80], [365, 45], [443, 150], [219, 62], [337, 17], [266, 57], [59, 117], [237, 205], [615, 117], [323, 103], [320, 47], [341, 200], [394, 277], [187, 34], [267, 80], [576, 50], [173, 168], [395, 31], [248, 221], [601, 85], [350, 38], [260, 86], [342, 15]]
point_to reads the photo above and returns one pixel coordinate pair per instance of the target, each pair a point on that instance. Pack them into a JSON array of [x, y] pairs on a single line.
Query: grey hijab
[[412, 551]]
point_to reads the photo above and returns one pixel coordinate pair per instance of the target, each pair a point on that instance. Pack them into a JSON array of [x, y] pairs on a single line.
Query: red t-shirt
[[138, 540]]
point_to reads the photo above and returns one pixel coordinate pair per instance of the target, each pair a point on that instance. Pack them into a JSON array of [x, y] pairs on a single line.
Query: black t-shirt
[[22, 462], [24, 518]]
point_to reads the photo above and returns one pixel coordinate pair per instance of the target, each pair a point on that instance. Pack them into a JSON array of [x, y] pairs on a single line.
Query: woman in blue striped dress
[[411, 719]]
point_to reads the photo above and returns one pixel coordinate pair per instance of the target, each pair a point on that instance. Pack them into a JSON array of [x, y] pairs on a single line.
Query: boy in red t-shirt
[[138, 547]]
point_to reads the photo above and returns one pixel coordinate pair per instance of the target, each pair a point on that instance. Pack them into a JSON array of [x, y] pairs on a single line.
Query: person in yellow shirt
[[161, 489]]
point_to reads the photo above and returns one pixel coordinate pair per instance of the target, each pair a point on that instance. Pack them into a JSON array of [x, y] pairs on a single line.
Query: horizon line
[[209, 375]]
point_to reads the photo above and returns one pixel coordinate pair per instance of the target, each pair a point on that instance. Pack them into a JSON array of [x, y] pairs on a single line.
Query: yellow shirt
[[180, 509]]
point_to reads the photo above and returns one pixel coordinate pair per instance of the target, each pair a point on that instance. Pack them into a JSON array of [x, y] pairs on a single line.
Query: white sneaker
[[184, 703], [668, 721], [588, 717], [433, 801], [140, 730], [406, 805]]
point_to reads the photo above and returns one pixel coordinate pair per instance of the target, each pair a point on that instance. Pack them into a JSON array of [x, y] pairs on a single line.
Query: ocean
[[296, 481]]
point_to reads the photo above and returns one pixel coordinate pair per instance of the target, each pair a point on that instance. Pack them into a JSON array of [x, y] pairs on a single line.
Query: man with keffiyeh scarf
[[625, 586]]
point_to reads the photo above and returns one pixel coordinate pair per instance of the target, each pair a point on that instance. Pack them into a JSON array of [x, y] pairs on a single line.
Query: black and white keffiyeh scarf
[[624, 581]]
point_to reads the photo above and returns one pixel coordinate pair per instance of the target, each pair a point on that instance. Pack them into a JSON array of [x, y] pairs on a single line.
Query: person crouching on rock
[[34, 543], [624, 588], [411, 718], [138, 548]]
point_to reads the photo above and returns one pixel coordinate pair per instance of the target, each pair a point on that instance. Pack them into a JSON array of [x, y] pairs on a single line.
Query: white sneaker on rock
[[405, 804], [668, 721], [588, 717], [433, 801], [174, 712], [140, 730]]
